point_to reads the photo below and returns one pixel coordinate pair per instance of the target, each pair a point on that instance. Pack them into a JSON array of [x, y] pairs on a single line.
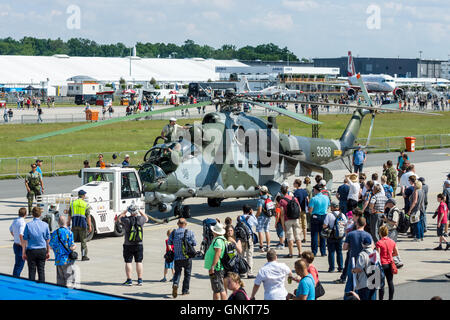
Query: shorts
[[441, 230], [168, 265], [133, 251], [263, 223], [280, 231], [216, 279], [292, 230]]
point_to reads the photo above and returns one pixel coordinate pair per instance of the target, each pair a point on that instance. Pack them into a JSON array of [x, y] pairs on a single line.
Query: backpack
[[242, 232], [136, 232], [269, 207], [339, 227], [292, 208], [187, 248], [373, 267], [232, 261], [403, 222], [387, 191]]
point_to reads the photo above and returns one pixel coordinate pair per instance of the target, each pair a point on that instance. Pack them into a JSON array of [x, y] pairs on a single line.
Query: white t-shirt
[[404, 182], [353, 193], [17, 228], [273, 275]]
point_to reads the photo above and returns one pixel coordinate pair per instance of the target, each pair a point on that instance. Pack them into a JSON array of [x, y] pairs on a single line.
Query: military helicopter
[[230, 154]]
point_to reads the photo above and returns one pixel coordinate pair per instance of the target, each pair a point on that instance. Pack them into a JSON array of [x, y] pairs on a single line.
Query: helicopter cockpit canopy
[[168, 156]]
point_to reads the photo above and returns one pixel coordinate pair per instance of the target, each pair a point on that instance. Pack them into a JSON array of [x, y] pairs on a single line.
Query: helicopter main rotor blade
[[392, 107], [110, 121], [285, 112]]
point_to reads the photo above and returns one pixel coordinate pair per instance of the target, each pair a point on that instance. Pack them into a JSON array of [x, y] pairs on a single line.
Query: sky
[[309, 28]]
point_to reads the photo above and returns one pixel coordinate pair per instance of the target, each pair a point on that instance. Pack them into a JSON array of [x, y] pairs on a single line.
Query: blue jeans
[[367, 294], [359, 168], [179, 265], [349, 283], [418, 229], [334, 247], [19, 262], [423, 215], [316, 228]]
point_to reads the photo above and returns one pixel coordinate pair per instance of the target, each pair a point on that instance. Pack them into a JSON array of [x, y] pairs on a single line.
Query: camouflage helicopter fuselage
[[230, 155]]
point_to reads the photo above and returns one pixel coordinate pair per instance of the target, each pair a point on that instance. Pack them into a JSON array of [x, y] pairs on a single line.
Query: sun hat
[[218, 229]]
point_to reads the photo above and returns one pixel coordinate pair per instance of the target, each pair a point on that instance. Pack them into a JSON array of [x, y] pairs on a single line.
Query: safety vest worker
[[79, 216]]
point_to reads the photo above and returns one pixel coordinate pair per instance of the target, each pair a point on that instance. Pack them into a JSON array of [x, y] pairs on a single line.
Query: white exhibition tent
[[55, 70]]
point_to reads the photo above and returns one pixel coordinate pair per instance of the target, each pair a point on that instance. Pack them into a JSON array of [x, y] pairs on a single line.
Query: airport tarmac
[[424, 267]]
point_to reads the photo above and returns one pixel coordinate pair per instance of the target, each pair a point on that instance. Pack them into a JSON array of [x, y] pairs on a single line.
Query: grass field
[[139, 135]]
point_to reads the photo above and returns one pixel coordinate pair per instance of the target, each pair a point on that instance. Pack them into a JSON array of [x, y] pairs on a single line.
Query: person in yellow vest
[[80, 218]]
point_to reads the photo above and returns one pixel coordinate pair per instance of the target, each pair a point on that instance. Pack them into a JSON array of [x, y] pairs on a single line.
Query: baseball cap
[[127, 156], [366, 242], [285, 184], [39, 160], [264, 189], [323, 182], [173, 119], [334, 204], [392, 200], [421, 179], [448, 176], [81, 192]]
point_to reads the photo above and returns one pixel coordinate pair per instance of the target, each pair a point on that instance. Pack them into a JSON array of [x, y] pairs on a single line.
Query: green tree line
[[87, 48]]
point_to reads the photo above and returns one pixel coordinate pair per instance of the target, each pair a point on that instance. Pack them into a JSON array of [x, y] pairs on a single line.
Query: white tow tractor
[[109, 192]]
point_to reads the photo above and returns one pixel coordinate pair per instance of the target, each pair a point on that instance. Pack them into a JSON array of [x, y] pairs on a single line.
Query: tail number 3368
[[323, 152]]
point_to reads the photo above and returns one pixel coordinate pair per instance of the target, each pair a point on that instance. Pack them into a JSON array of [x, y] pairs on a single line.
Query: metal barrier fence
[[70, 163], [395, 143], [58, 164]]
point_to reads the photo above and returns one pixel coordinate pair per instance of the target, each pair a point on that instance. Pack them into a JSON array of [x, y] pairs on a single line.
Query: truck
[[109, 192]]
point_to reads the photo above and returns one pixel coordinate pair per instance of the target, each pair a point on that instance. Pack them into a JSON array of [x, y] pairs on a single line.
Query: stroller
[[207, 235]]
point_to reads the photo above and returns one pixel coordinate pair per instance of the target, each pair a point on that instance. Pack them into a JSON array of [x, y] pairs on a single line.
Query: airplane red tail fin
[[350, 65]]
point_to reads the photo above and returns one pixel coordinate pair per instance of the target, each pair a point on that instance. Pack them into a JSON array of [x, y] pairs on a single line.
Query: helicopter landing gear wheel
[[186, 212], [214, 202]]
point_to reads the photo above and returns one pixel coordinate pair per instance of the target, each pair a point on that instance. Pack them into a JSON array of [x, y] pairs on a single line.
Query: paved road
[[421, 278], [15, 188]]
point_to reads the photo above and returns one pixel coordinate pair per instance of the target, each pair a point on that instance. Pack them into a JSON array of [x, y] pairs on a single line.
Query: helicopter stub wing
[[285, 112], [111, 121]]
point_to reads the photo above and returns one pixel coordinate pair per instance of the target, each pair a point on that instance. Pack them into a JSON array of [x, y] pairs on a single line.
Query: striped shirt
[[378, 200]]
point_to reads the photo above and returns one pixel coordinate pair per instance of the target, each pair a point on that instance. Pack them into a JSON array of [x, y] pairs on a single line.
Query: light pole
[[420, 64]]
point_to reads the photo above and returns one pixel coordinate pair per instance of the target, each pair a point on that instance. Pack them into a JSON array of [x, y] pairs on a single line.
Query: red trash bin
[[410, 143]]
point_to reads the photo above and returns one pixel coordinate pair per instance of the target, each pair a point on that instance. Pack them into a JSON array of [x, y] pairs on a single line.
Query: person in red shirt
[[442, 220], [387, 249], [168, 266]]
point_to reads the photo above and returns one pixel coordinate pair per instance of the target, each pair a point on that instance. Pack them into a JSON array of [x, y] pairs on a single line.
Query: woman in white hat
[[213, 264]]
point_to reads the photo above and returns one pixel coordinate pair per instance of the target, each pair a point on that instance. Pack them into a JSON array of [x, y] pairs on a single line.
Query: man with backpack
[[266, 210], [368, 271], [133, 244], [213, 262], [336, 221], [181, 239], [392, 218], [244, 233], [291, 210]]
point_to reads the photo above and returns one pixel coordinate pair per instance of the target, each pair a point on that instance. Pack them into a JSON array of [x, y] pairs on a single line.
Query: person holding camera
[[133, 244], [61, 241]]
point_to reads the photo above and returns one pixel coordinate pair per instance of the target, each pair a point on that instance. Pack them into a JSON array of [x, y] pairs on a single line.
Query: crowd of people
[[362, 220]]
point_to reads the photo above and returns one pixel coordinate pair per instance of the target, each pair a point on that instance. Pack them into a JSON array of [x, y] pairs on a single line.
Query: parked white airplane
[[374, 82], [244, 88]]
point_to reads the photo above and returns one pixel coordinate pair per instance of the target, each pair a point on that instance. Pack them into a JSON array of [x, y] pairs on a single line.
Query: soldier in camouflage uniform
[[391, 175], [34, 185]]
